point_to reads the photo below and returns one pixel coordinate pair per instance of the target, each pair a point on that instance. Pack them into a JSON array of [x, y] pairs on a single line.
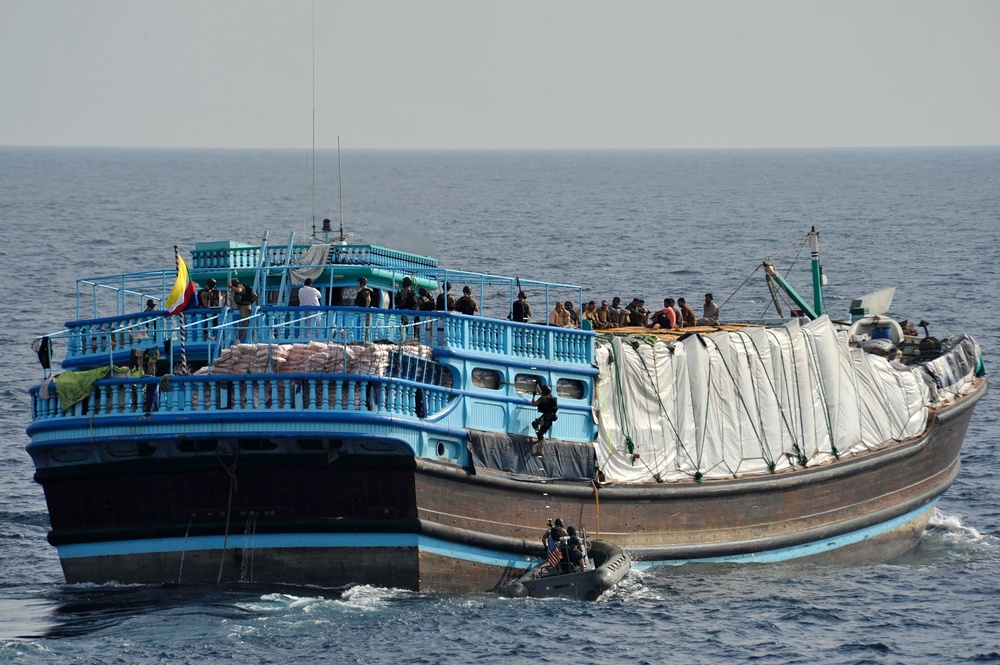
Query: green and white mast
[[817, 272], [817, 276]]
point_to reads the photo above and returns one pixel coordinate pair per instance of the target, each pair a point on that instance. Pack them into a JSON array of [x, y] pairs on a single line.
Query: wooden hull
[[395, 521]]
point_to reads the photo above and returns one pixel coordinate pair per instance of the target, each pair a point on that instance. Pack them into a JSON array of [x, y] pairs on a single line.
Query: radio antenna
[[340, 194], [314, 119]]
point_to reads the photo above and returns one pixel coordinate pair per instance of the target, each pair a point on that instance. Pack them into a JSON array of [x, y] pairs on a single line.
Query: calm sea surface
[[648, 224]]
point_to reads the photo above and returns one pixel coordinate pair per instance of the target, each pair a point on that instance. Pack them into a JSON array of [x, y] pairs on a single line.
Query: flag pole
[[183, 369]]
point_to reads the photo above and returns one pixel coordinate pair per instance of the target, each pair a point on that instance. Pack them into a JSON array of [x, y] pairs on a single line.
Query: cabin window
[[569, 388], [527, 383], [486, 378], [380, 297]]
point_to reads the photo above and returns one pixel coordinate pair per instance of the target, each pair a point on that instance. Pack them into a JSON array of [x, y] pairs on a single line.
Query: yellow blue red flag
[[183, 291]]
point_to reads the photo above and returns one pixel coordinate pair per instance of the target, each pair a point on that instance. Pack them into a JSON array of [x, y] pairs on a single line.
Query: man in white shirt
[[308, 296]]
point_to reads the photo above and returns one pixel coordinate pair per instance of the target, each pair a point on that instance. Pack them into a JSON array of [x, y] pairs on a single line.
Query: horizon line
[[504, 149]]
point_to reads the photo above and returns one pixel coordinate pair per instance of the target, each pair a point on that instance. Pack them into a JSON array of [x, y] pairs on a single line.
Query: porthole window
[[570, 388], [486, 378], [70, 454]]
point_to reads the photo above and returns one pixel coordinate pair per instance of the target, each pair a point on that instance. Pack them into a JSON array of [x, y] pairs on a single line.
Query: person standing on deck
[[521, 310], [406, 297], [467, 304], [208, 297], [243, 297], [425, 303], [446, 299], [308, 295], [364, 297]]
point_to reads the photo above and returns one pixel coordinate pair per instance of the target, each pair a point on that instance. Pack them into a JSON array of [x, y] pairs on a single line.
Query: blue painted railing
[[299, 393], [247, 258], [94, 339]]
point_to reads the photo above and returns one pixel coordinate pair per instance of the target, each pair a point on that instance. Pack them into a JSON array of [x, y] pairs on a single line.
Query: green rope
[[799, 452], [762, 435], [622, 413], [739, 394], [826, 412], [663, 409], [781, 411]]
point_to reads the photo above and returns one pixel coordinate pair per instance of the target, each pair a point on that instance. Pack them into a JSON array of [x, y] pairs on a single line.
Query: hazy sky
[[501, 74]]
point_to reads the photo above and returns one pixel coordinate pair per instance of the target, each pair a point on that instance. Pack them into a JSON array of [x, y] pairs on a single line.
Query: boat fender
[[611, 572], [602, 579]]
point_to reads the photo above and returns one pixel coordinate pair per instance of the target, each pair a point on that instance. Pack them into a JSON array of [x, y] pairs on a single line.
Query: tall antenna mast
[[314, 119], [340, 194]]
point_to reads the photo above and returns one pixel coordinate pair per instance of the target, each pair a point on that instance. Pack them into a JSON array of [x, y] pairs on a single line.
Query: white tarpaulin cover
[[755, 401], [314, 259]]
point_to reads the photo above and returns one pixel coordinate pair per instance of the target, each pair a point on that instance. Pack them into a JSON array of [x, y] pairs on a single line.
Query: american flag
[[554, 557]]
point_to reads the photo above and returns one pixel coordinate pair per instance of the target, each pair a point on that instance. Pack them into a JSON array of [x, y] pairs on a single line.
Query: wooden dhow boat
[[337, 444]]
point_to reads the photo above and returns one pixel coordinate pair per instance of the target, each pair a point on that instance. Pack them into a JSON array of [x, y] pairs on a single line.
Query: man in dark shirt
[[521, 311], [406, 297], [208, 296], [446, 297], [467, 304], [364, 297], [547, 407]]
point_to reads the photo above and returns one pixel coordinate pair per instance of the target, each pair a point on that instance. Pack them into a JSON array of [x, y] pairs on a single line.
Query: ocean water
[[650, 224]]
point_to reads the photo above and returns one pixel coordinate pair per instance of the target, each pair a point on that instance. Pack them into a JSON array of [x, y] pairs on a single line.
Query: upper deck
[[275, 272]]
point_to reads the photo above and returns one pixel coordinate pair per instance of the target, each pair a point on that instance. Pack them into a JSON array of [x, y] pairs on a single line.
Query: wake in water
[[947, 541]]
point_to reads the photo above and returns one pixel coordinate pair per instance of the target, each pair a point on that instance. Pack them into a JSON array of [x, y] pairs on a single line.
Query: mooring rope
[[231, 471], [597, 510]]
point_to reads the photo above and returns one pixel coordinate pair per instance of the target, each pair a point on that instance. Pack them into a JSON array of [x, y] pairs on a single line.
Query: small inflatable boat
[[607, 564]]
